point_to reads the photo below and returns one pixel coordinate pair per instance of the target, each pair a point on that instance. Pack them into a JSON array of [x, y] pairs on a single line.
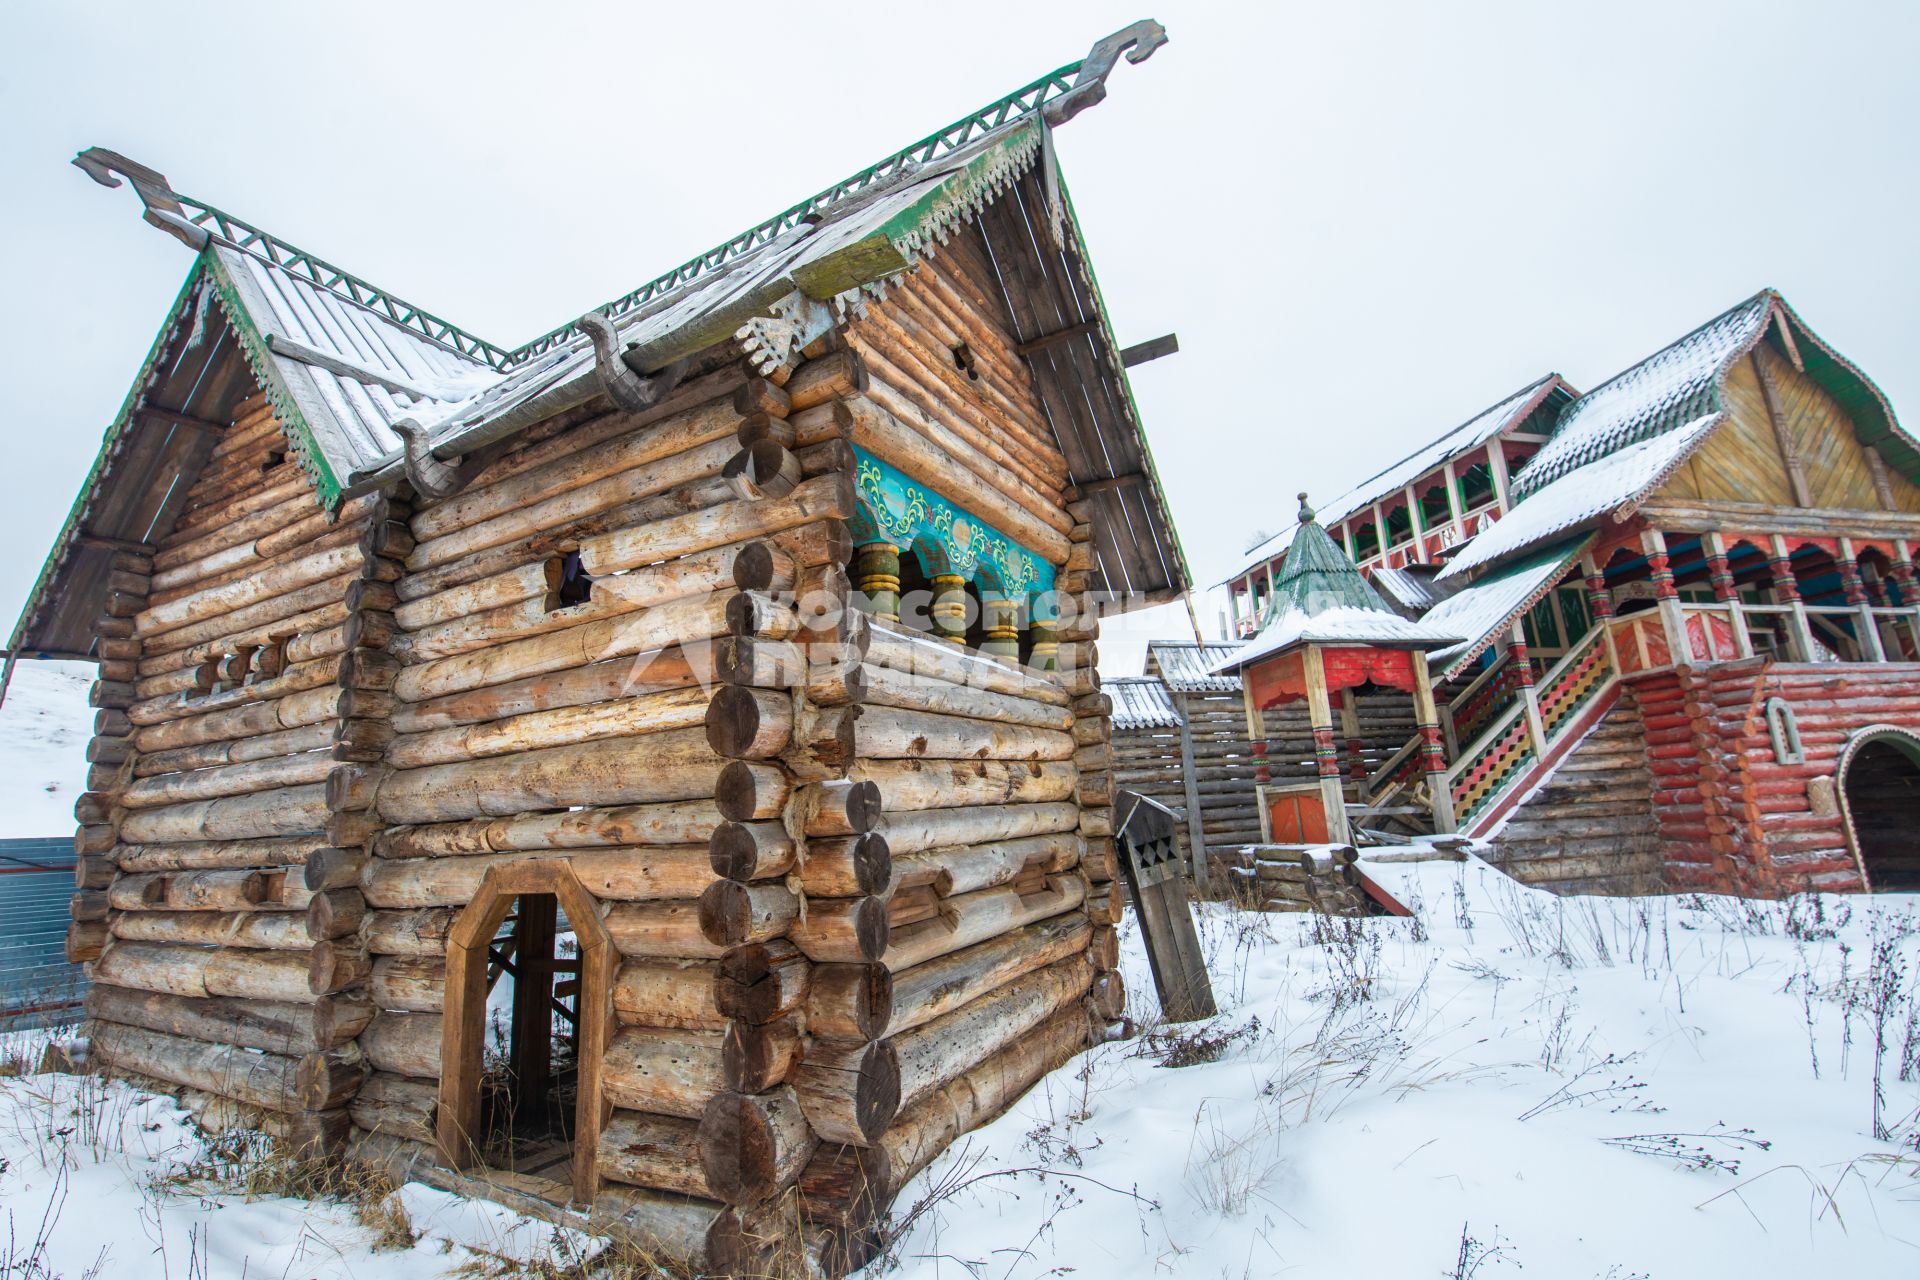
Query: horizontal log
[[952, 982], [937, 784], [194, 971], [652, 713], [633, 676], [670, 823], [664, 1072], [975, 917], [762, 981], [405, 1044], [400, 1106], [939, 1051], [228, 780], [675, 765], [258, 930], [289, 811], [823, 498], [256, 1078], [753, 1146], [907, 652], [913, 831], [680, 621], [209, 855], [849, 1089], [668, 993], [414, 984], [661, 1152], [611, 874], [669, 930], [277, 1026], [913, 691]]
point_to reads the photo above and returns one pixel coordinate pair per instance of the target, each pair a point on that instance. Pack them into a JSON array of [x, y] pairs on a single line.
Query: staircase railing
[[1506, 751]]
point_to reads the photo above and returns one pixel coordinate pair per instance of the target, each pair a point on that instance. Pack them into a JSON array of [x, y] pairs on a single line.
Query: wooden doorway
[[1880, 798], [537, 890]]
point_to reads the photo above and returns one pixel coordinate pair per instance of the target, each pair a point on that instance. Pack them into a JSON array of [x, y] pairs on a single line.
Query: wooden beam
[[1152, 349], [186, 422], [1782, 433], [101, 542], [299, 351], [1112, 483], [1046, 340]]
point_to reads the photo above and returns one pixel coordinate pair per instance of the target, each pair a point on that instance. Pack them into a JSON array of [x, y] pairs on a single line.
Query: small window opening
[[963, 360], [274, 459], [570, 583]]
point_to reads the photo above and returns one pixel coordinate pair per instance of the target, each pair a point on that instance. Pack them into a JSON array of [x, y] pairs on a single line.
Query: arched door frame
[[1859, 739], [463, 1028]]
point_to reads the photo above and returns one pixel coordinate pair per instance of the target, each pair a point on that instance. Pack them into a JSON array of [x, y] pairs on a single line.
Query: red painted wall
[[1734, 818]]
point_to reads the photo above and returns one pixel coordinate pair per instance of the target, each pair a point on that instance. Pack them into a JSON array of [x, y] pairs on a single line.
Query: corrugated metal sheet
[[351, 418], [1477, 430], [37, 985], [1141, 702], [1185, 667]]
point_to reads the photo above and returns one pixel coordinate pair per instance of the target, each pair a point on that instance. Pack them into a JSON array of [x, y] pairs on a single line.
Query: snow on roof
[[1580, 497], [1343, 625], [1477, 430], [1142, 702], [1408, 590], [1671, 388], [351, 372], [1187, 668], [1484, 609]]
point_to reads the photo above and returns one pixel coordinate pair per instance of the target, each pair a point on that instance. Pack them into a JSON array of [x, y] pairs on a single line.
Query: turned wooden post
[[949, 611], [876, 572], [1043, 645], [1002, 622], [1600, 605]]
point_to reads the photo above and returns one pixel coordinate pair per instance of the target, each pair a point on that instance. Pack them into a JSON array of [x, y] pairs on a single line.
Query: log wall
[[1735, 818], [1148, 760], [861, 881], [232, 667]]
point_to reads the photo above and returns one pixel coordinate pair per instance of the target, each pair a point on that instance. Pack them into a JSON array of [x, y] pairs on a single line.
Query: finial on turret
[[1306, 512]]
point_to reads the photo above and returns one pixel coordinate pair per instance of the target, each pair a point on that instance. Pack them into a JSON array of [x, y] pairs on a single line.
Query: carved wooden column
[[1523, 682], [1720, 575], [1433, 761], [1867, 627], [1356, 746], [1786, 589], [1666, 596], [1600, 605], [1326, 759], [876, 572]]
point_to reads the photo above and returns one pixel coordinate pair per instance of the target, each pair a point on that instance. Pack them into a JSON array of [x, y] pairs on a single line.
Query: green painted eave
[[70, 528]]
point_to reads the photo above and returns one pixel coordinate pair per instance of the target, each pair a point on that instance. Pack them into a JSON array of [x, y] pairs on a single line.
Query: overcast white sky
[[1365, 221]]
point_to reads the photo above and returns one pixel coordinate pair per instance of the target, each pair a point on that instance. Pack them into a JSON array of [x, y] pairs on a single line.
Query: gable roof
[[342, 360], [1499, 417], [1616, 444], [1188, 668]]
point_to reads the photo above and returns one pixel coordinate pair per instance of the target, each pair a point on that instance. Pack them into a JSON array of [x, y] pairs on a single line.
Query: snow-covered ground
[[1584, 1088], [44, 727]]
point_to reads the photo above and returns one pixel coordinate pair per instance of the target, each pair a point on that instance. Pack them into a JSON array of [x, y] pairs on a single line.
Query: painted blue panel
[[37, 985]]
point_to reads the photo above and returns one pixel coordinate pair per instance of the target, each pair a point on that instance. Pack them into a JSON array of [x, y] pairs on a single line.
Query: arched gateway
[[1879, 785]]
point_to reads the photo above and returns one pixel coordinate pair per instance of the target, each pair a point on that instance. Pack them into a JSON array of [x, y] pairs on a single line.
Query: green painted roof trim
[[71, 526], [253, 342]]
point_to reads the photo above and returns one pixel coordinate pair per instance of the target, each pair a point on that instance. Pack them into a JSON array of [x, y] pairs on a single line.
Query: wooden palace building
[[705, 688], [1671, 626]]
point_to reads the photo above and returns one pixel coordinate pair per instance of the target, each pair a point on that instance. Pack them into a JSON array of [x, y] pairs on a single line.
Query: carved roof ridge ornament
[[163, 208], [1138, 43], [627, 389], [429, 476]]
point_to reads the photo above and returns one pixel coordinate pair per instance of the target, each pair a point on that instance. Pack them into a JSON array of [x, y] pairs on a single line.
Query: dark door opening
[[1882, 786], [532, 1057]]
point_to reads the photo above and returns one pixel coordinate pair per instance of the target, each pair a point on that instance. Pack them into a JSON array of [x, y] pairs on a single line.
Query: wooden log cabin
[[1687, 625], [706, 687]]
